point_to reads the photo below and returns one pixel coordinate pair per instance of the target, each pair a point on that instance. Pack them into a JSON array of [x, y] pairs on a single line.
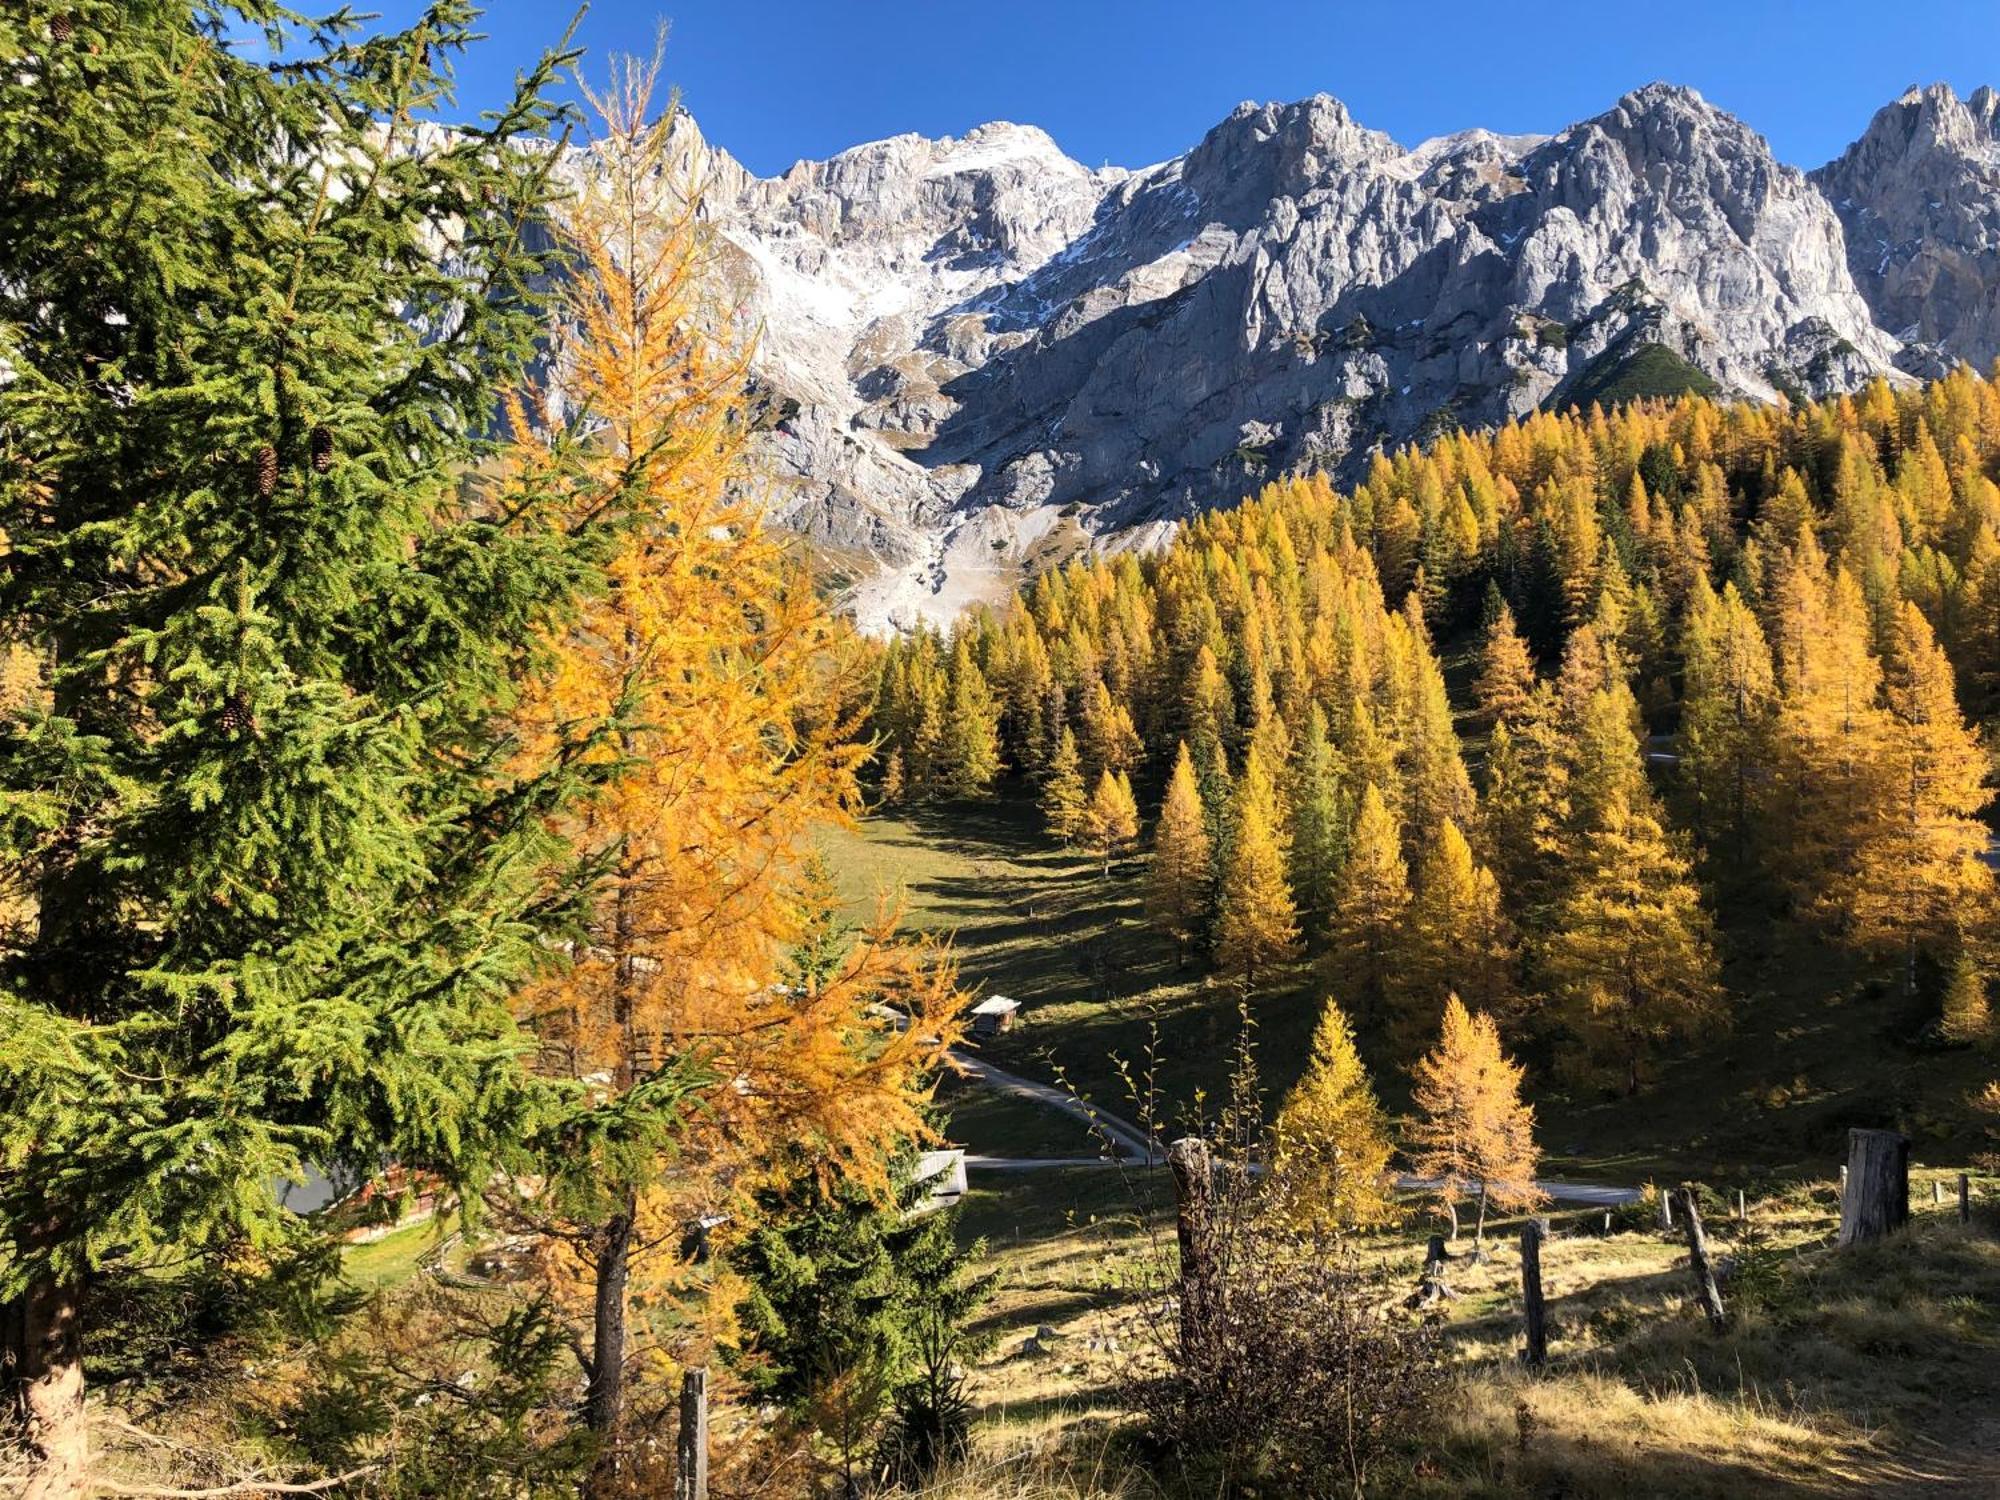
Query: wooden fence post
[[1937, 1191], [1964, 1198], [1742, 1209], [1534, 1311], [1876, 1195], [1194, 1193], [691, 1473], [1666, 1212], [1706, 1292]]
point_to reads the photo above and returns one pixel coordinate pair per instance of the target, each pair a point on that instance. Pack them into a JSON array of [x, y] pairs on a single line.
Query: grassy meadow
[[1816, 1043], [1869, 1373]]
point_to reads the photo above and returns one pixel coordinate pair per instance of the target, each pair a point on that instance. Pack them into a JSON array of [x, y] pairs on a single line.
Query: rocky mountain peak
[[1266, 151], [983, 356], [1919, 197]]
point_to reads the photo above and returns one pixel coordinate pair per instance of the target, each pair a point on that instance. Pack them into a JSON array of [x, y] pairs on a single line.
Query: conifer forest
[[1451, 963]]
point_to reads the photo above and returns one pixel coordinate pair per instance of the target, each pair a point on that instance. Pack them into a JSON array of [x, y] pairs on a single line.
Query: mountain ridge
[[987, 356]]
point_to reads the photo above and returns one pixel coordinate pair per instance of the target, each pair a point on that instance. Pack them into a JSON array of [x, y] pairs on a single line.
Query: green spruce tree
[[279, 862]]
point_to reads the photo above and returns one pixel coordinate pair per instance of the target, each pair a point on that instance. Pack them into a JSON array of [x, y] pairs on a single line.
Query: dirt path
[[1128, 1141], [1133, 1150]]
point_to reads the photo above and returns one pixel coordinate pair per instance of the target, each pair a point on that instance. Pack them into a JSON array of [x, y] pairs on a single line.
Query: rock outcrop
[[1919, 195]]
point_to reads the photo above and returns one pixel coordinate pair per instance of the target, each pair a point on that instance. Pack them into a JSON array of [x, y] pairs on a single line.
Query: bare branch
[[240, 1487]]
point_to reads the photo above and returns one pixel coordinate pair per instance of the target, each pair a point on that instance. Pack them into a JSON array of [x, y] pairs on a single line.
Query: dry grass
[[1868, 1372]]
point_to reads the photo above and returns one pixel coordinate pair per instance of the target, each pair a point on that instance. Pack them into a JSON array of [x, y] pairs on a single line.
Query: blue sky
[[1132, 83]]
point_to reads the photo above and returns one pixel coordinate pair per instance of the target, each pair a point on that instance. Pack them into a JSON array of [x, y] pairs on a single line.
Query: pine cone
[[322, 450], [61, 28], [267, 471], [236, 715]]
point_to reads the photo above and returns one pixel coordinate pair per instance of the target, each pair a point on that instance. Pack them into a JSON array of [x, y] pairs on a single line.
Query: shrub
[[1280, 1358], [1303, 1375]]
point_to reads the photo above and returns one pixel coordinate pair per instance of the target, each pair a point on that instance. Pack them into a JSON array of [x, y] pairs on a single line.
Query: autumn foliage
[[722, 695], [1472, 1134], [1718, 659]]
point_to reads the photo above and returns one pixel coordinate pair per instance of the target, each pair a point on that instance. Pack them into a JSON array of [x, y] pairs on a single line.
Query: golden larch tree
[[1473, 1134], [1458, 940], [1919, 880], [724, 694], [1728, 721], [1364, 953], [1627, 955], [1063, 793], [1181, 881], [1966, 1015], [1330, 1143], [971, 750], [1111, 820], [1506, 672], [1256, 926]]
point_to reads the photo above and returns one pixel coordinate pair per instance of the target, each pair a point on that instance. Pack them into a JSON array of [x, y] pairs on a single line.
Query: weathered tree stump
[[1194, 1200], [1875, 1195], [1431, 1285], [1707, 1294], [1534, 1310], [1435, 1255], [691, 1471]]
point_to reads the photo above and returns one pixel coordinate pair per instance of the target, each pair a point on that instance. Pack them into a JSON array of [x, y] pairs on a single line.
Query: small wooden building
[[993, 1015], [941, 1174]]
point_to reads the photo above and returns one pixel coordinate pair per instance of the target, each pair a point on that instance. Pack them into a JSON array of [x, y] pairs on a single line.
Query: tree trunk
[[51, 1386], [1876, 1200], [1706, 1292], [1479, 1225], [604, 1400], [1964, 1198], [1534, 1310], [1194, 1191], [1451, 1211]]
